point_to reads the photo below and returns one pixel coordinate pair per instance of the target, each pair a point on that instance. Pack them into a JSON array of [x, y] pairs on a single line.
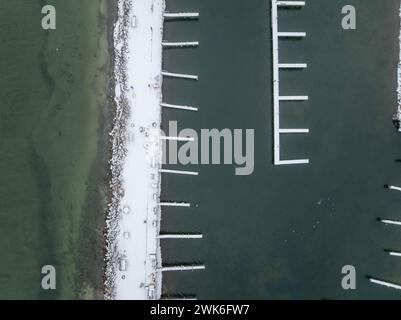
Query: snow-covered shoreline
[[133, 255], [399, 67]]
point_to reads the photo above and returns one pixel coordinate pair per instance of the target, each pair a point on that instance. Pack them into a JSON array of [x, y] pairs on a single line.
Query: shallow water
[[52, 93]]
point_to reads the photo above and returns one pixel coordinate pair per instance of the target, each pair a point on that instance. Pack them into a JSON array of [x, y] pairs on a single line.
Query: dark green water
[[52, 136], [279, 233], [286, 232]]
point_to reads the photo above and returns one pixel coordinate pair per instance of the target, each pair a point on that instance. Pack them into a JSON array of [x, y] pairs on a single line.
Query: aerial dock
[[394, 188], [179, 107], [393, 222], [394, 253], [174, 204], [181, 236], [134, 271], [183, 76], [277, 66], [188, 44], [385, 283], [183, 267], [181, 15], [182, 172], [179, 75]]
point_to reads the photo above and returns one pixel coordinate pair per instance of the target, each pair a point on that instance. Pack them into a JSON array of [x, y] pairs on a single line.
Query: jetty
[[174, 106], [179, 297], [394, 188], [139, 87], [182, 172], [174, 204], [188, 44], [393, 222], [277, 66], [180, 236], [397, 115], [179, 75], [181, 15], [394, 253], [169, 138], [135, 270], [385, 283], [183, 267], [183, 76]]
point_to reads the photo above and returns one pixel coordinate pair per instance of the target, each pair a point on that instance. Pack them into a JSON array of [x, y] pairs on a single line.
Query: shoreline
[[133, 216], [397, 115], [399, 67]]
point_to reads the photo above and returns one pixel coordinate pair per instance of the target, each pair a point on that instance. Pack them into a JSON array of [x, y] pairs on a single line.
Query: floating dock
[[179, 75], [394, 188], [185, 297], [291, 4], [385, 283], [293, 98], [189, 44], [292, 65], [394, 253], [185, 139], [291, 34], [181, 15], [174, 106], [277, 130], [182, 236], [183, 267], [387, 221], [182, 172], [174, 204]]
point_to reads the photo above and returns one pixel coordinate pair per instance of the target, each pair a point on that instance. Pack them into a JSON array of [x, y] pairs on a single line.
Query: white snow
[[133, 247], [399, 68]]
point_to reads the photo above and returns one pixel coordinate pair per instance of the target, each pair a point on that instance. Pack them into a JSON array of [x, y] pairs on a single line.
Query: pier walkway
[[137, 276]]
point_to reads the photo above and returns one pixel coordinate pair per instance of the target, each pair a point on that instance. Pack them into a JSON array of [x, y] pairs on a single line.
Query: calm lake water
[[285, 232], [52, 136]]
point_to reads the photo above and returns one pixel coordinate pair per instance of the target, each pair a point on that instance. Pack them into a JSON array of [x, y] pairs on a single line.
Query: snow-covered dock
[[393, 222], [137, 243], [277, 131], [183, 268], [179, 75], [174, 204], [394, 188], [181, 15], [182, 44], [179, 107], [134, 263], [385, 283]]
